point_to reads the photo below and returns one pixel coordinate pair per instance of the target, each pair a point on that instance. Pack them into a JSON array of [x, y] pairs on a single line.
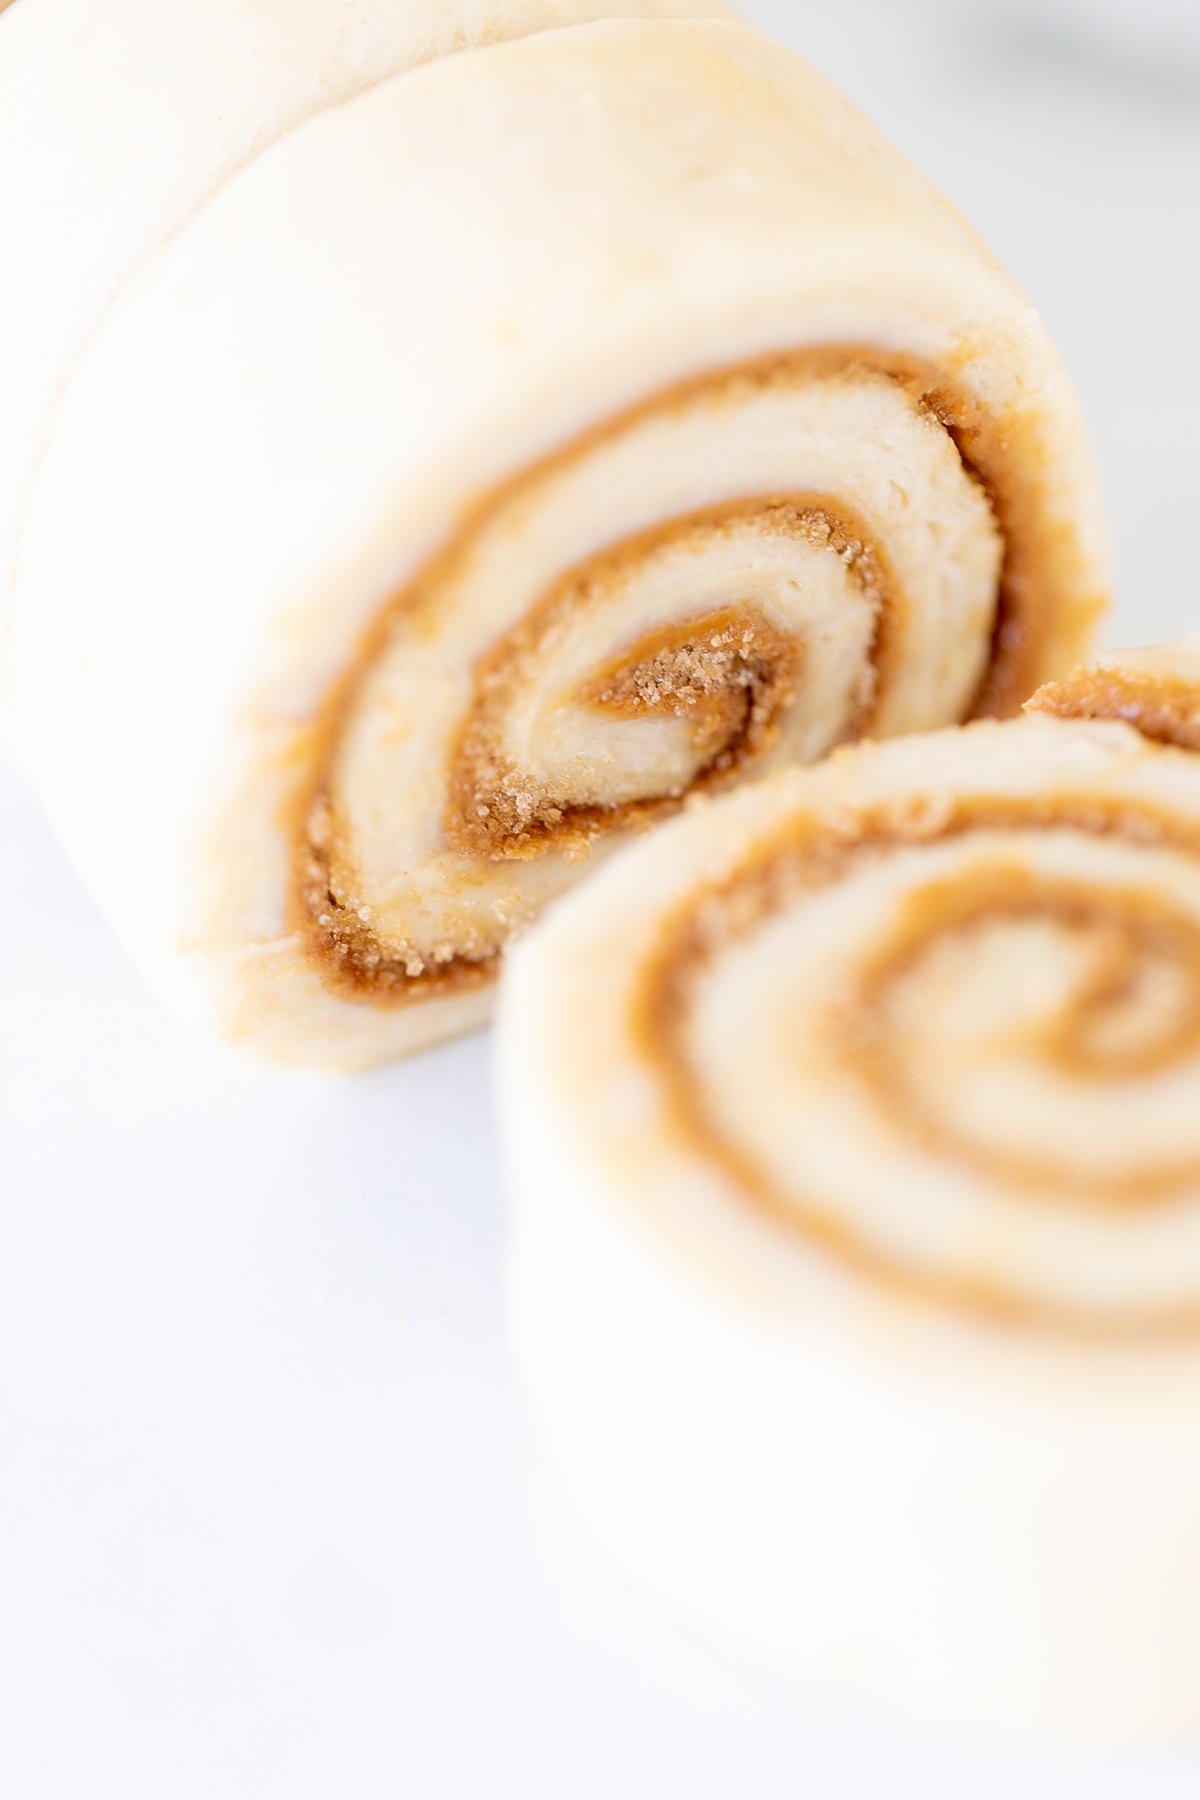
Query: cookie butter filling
[[997, 1000], [750, 569]]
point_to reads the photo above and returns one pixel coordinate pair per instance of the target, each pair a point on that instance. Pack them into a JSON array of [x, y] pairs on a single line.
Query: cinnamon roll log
[[856, 1266], [118, 122], [553, 433]]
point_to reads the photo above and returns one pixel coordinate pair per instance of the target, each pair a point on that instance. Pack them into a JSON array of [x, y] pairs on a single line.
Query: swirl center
[[957, 1044]]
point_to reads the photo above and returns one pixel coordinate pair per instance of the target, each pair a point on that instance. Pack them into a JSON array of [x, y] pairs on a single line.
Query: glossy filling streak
[[750, 569], [974, 1034]]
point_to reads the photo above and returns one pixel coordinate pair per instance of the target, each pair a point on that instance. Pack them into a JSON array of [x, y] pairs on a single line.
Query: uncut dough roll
[[117, 122], [856, 1239], [554, 432]]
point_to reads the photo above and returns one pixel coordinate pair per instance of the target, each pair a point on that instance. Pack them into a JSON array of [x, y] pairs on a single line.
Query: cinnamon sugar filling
[[714, 689], [1166, 711], [730, 674], [1119, 1023]]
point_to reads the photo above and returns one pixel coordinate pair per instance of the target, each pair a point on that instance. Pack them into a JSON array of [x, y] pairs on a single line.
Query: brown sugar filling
[[733, 693], [1163, 709], [810, 854], [731, 673]]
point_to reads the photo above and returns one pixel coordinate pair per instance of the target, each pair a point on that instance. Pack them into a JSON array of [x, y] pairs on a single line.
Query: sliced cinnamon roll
[[552, 434], [855, 1164]]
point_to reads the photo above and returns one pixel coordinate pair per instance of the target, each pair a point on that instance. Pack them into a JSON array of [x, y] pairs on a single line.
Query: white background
[[270, 1524]]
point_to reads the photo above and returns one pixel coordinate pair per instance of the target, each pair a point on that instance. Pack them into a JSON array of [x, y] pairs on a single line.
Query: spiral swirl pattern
[[856, 1267], [747, 571], [953, 1035], [930, 1013]]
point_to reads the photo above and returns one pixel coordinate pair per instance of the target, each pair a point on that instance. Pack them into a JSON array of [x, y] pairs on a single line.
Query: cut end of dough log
[[673, 660], [672, 430], [855, 1239]]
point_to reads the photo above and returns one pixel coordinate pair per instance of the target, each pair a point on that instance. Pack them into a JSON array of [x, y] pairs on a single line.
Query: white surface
[[269, 1525]]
